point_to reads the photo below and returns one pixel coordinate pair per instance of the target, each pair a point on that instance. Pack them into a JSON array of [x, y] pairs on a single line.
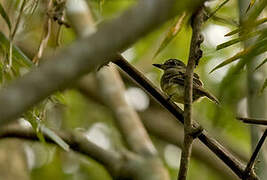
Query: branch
[[249, 168], [126, 165], [126, 117], [231, 161], [84, 56], [252, 120], [76, 141], [194, 56]]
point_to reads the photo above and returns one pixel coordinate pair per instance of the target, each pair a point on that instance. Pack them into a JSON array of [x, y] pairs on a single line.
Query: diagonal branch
[[249, 168], [221, 152], [84, 56]]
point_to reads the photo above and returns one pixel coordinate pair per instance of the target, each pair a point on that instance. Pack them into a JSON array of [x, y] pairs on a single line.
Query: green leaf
[[5, 17], [262, 63], [172, 33], [252, 2], [218, 8], [18, 56], [263, 86], [254, 50], [247, 27], [58, 140], [241, 38]]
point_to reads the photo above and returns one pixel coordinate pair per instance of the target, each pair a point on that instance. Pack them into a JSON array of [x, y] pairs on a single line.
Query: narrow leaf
[[218, 8], [262, 63], [172, 33], [243, 28], [58, 140], [254, 50], [252, 2], [5, 17], [234, 41], [263, 86], [19, 57]]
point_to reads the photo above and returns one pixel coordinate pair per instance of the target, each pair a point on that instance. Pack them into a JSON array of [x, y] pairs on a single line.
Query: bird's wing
[[179, 78]]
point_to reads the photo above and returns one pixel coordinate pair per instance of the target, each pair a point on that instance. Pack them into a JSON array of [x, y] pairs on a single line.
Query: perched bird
[[173, 79]]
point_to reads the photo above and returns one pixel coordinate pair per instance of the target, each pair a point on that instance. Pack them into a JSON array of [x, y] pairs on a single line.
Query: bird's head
[[170, 63]]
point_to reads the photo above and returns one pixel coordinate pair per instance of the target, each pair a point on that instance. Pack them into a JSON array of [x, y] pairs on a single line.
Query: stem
[[194, 56]]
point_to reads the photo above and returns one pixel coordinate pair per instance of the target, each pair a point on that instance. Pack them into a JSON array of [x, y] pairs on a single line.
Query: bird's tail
[[210, 96]]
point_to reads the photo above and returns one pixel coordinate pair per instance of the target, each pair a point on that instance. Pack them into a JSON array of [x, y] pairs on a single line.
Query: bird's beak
[[158, 65]]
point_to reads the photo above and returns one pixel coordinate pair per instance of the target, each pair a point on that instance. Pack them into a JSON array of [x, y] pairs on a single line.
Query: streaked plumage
[[172, 82]]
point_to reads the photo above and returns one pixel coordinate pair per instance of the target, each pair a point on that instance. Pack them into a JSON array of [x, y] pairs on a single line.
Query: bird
[[173, 80]]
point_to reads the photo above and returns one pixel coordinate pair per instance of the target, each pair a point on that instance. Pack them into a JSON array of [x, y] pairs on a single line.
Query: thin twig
[[252, 160], [194, 56], [252, 120]]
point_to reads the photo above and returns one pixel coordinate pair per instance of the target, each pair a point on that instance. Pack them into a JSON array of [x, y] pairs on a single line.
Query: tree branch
[[194, 56], [84, 56], [249, 168], [252, 120], [126, 117], [221, 152]]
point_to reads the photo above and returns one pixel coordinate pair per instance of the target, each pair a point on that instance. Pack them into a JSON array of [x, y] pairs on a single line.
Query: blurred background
[[87, 113]]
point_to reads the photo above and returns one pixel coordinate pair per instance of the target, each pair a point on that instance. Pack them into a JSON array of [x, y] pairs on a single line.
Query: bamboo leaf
[[218, 8], [237, 40], [5, 17], [254, 50], [58, 140], [172, 33], [246, 27], [19, 57], [252, 2], [264, 86], [262, 63]]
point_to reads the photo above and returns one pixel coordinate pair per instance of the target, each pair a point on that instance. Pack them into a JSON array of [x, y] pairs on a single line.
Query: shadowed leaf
[[262, 63], [18, 56], [263, 86], [5, 17], [254, 50], [252, 2], [172, 33]]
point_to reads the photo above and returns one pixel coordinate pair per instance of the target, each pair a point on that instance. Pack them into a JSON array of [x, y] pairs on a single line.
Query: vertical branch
[[194, 56]]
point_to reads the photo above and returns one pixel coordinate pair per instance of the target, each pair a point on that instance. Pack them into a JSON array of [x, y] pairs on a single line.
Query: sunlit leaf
[[58, 140], [256, 49], [5, 16], [18, 56], [172, 33], [262, 63], [250, 4], [225, 20], [246, 27], [241, 38]]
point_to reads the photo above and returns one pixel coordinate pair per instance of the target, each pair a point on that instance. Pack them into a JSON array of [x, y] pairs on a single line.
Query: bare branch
[[252, 120], [194, 56], [249, 168], [220, 151]]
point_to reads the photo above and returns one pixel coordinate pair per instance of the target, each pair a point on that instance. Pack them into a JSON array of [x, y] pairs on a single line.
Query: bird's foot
[[170, 97], [196, 131]]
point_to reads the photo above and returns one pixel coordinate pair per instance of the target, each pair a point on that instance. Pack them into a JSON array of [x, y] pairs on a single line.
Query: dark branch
[[249, 168], [252, 120], [232, 162]]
